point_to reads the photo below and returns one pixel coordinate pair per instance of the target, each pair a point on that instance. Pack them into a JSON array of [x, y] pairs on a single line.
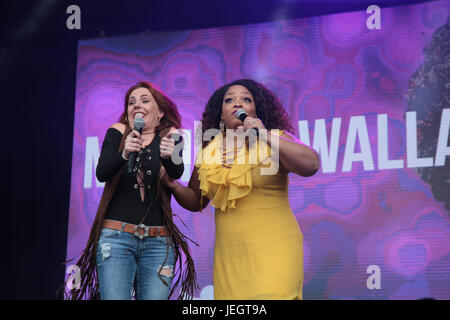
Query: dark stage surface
[[38, 75]]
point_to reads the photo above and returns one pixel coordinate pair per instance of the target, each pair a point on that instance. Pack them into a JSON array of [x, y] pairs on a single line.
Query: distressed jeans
[[125, 262]]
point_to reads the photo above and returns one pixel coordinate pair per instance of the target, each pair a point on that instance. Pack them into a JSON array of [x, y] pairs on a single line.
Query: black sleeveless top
[[126, 204]]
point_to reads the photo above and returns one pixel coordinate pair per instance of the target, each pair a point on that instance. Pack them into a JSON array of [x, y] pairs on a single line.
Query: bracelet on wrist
[[123, 156]]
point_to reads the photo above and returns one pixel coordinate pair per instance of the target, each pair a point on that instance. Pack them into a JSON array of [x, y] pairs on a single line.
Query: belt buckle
[[141, 227]]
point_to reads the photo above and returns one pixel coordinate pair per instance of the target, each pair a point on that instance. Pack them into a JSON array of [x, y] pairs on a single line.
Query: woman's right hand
[[166, 180], [133, 143]]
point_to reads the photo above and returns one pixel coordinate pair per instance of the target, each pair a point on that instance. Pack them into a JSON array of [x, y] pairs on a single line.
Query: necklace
[[228, 154]]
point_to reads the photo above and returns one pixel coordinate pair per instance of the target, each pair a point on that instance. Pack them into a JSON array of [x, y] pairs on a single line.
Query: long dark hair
[[268, 108], [89, 287]]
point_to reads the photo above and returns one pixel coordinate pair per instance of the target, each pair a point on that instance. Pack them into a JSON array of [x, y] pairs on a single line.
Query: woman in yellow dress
[[258, 251]]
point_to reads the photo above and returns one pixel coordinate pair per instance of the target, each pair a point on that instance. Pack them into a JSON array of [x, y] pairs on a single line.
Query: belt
[[141, 230]]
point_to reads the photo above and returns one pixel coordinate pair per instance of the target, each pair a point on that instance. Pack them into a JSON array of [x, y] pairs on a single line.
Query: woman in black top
[[134, 244]]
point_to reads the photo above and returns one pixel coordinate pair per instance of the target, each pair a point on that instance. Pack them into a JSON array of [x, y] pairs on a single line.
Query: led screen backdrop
[[373, 227]]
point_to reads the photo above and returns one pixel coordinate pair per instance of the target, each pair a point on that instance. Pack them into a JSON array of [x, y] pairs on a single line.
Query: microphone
[[138, 125], [242, 115]]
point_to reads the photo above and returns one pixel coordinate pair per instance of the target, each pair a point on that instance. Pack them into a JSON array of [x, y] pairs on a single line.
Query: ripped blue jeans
[[126, 263]]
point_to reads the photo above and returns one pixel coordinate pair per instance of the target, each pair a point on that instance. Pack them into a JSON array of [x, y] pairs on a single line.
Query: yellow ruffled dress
[[259, 246]]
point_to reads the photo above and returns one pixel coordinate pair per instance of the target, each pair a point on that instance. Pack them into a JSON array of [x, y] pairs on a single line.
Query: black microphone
[[138, 125], [242, 115]]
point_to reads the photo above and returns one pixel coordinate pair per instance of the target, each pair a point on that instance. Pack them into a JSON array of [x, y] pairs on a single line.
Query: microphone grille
[[139, 123], [241, 114]]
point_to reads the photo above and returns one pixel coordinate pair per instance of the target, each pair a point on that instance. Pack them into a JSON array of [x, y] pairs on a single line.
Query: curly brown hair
[[268, 108]]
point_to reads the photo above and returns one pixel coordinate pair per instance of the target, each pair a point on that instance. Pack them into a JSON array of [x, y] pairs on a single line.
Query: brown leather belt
[[141, 231]]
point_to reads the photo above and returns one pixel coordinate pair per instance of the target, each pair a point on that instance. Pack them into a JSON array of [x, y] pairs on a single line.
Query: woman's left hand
[[167, 145]]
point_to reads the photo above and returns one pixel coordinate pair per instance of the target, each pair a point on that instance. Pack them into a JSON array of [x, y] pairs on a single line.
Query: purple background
[[321, 68]]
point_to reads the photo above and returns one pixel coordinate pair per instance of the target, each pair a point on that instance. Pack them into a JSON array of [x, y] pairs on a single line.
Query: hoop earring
[[222, 126]]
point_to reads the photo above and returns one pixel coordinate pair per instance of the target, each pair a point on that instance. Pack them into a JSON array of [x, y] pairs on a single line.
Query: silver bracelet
[[123, 155]]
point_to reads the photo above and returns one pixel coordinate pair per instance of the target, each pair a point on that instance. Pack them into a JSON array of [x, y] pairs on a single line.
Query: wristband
[[123, 155]]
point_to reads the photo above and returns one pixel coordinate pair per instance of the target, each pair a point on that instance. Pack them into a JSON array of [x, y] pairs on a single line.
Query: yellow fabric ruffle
[[222, 185]]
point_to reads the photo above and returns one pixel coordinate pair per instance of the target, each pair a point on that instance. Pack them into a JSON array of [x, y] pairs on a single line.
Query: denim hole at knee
[[166, 270]]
